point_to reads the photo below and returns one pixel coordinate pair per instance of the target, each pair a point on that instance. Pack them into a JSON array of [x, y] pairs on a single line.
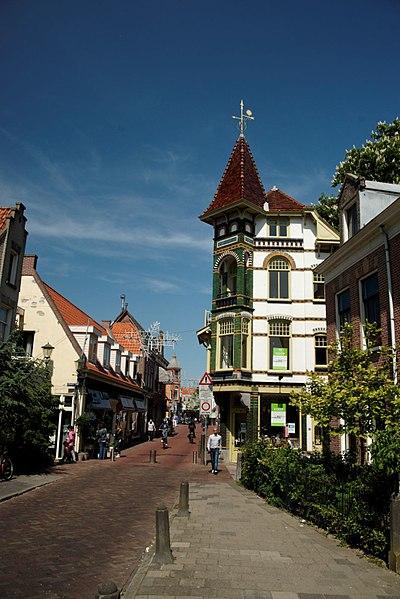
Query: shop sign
[[279, 358], [278, 414], [291, 428]]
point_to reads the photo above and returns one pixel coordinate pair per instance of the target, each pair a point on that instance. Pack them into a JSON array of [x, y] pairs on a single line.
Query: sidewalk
[[19, 485], [234, 545]]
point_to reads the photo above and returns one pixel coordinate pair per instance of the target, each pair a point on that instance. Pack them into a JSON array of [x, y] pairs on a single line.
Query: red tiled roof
[[126, 334], [240, 180], [72, 315], [278, 200], [112, 377], [4, 214], [188, 390]]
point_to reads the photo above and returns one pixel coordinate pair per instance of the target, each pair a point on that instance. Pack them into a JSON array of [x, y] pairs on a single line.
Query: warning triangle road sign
[[205, 379]]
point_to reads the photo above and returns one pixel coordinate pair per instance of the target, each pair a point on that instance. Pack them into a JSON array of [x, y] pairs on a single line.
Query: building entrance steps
[[234, 545]]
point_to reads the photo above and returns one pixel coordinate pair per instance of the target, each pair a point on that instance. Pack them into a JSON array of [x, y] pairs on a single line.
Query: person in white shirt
[[214, 447], [151, 427]]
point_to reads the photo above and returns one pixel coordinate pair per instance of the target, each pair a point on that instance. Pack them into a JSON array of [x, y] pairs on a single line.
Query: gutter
[[390, 301]]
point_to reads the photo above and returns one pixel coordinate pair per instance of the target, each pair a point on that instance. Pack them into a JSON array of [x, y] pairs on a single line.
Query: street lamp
[[47, 351]]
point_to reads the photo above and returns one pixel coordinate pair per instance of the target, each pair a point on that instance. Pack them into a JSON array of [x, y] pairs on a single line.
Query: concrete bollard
[[238, 474], [194, 457], [183, 508], [153, 456], [163, 554], [107, 590], [394, 551], [112, 454]]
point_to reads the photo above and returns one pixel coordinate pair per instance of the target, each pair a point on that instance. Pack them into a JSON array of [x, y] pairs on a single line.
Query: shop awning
[[98, 400], [127, 403], [140, 405]]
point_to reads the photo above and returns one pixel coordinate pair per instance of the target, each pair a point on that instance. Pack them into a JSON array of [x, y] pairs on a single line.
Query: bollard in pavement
[[163, 554], [238, 474], [108, 590], [394, 550], [112, 454], [153, 456], [183, 509], [194, 457]]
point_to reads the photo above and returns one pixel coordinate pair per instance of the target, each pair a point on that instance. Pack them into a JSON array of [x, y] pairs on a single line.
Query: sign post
[[207, 405]]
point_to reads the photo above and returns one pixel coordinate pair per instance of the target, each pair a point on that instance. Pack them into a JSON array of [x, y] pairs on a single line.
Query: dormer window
[[352, 222], [92, 349], [278, 227], [106, 356]]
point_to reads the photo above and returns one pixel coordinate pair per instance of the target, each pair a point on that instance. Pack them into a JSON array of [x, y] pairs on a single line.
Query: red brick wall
[[350, 279]]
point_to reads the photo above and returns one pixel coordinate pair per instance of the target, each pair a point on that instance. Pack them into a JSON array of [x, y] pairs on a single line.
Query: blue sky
[[115, 127]]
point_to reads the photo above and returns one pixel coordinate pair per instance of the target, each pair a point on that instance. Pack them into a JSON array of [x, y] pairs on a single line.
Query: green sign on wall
[[279, 358], [278, 414]]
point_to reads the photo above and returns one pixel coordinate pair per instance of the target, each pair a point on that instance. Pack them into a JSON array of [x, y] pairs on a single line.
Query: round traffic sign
[[206, 406]]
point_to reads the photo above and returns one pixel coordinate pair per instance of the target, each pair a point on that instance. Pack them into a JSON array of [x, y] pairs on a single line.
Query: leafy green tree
[[327, 207], [27, 408], [378, 159], [358, 389]]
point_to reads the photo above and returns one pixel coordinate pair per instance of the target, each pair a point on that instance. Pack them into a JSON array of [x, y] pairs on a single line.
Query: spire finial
[[243, 118]]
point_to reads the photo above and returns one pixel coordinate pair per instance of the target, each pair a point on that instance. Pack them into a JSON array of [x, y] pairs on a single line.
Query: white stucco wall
[[40, 318]]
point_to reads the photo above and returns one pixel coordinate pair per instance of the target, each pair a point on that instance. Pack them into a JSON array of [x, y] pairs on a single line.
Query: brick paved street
[[61, 540]]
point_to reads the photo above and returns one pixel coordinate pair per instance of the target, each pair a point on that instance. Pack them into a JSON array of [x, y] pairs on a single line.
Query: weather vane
[[243, 118]]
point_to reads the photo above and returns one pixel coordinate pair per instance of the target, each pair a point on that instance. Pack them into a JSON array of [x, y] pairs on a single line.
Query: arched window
[[227, 273], [233, 227], [225, 339], [279, 344], [278, 278], [321, 350]]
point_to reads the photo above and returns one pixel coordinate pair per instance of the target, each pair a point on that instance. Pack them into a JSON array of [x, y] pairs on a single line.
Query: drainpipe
[[390, 301]]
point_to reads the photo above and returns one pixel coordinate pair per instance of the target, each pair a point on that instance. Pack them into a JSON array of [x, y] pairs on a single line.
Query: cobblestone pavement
[[234, 545], [91, 525]]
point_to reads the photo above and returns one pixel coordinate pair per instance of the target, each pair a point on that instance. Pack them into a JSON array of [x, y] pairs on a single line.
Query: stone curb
[[26, 490]]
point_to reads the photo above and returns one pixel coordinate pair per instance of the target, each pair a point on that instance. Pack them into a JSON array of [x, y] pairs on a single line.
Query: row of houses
[[100, 371], [284, 281]]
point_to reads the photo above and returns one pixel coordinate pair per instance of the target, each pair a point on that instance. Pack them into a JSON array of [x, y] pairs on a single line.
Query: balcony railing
[[226, 301]]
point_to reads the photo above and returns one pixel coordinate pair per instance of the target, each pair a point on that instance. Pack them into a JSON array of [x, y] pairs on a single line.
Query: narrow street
[[93, 524]]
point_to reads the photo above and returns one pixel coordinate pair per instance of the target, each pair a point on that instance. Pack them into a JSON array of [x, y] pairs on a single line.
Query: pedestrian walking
[[102, 436], [118, 440], [71, 435], [164, 433], [214, 447], [151, 427]]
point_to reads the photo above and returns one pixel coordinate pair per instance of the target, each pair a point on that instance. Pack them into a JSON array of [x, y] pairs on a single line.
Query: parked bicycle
[[6, 466]]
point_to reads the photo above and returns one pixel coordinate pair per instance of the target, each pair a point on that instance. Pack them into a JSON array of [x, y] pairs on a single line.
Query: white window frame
[[282, 260], [279, 222], [318, 280], [284, 331], [325, 346], [226, 328], [245, 338]]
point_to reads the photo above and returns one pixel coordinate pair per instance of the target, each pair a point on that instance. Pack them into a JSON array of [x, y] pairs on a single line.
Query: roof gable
[[280, 201], [240, 181]]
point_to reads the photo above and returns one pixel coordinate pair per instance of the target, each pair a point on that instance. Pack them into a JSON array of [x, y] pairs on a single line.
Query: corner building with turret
[[267, 326]]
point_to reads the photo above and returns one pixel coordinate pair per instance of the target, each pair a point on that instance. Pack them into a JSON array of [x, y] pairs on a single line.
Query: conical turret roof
[[174, 364], [240, 181]]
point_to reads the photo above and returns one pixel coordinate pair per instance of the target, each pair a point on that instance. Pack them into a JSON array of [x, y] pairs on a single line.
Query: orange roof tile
[[4, 214], [112, 377], [188, 390], [240, 180], [126, 334], [278, 200], [72, 315]]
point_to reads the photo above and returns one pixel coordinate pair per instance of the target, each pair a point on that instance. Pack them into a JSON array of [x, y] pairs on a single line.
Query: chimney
[[29, 264]]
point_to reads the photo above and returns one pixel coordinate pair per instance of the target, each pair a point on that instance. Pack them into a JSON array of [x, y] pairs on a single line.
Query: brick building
[[12, 246], [362, 277]]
